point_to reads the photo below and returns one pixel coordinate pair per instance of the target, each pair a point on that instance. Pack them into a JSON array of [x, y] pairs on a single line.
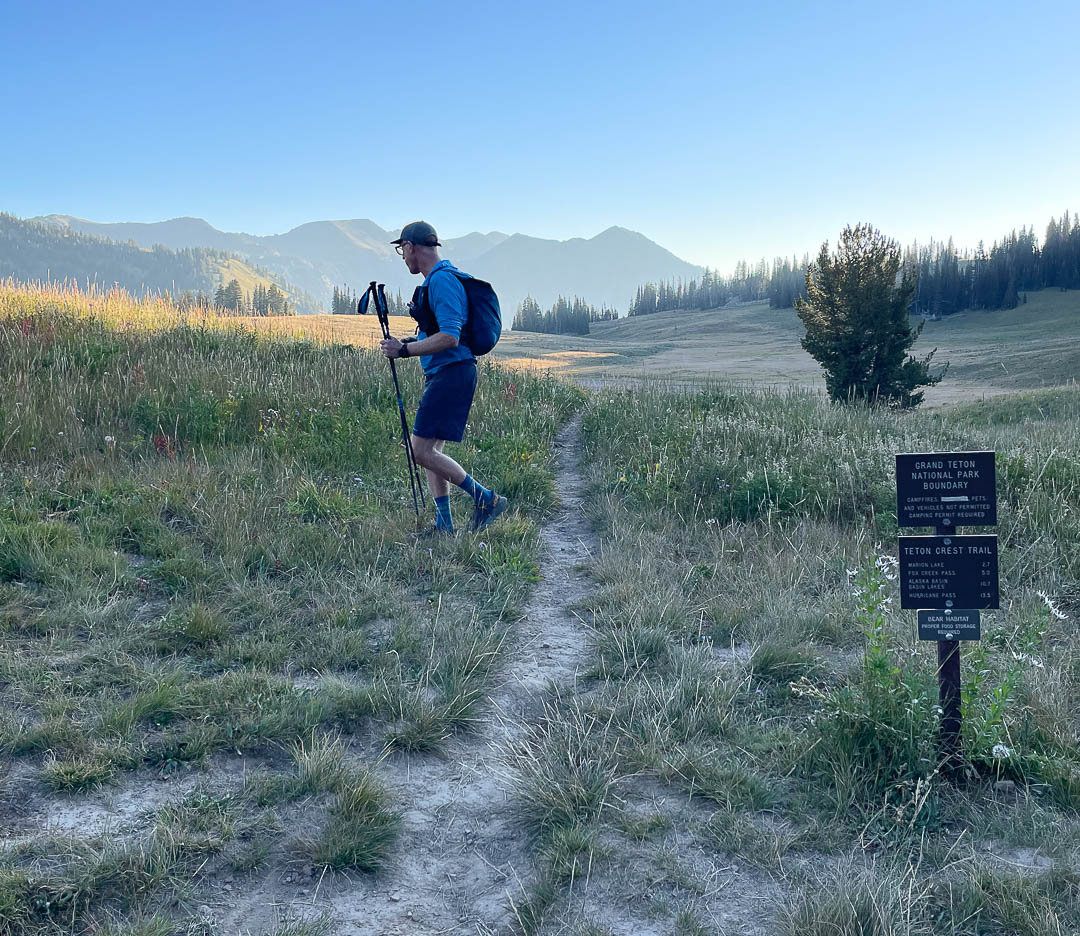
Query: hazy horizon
[[987, 238]]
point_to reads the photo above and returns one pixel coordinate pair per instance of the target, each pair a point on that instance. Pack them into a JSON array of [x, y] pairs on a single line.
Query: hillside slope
[[1034, 345], [32, 251]]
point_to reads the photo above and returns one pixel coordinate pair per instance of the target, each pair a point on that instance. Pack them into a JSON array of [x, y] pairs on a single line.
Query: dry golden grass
[[119, 309], [362, 331]]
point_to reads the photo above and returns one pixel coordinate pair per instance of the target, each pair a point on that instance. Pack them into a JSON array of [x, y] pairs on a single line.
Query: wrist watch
[[404, 352]]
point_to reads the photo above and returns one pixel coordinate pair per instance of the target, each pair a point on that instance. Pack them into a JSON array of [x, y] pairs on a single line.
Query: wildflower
[[1054, 610], [109, 440], [712, 521], [1000, 752], [888, 566], [59, 433]]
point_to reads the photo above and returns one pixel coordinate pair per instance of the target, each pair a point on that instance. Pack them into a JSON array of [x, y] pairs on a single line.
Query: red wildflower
[[163, 445]]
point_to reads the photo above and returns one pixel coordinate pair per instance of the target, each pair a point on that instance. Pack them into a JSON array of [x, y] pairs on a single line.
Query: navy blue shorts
[[444, 407]]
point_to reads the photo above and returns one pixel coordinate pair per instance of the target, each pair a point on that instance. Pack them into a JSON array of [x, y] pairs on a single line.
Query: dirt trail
[[461, 850]]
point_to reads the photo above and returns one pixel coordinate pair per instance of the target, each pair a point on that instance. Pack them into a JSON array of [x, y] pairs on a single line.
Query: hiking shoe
[[431, 533], [484, 514]]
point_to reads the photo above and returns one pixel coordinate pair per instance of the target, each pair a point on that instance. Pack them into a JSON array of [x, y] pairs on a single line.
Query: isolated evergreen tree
[[857, 323]]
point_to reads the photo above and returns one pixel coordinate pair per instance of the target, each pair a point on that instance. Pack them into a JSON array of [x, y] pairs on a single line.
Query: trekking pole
[[383, 313]]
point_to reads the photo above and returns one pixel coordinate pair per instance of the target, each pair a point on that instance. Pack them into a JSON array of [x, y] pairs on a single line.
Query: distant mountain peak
[[604, 269]]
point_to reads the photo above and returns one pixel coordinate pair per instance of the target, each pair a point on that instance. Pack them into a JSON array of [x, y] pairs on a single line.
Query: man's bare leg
[[441, 469]]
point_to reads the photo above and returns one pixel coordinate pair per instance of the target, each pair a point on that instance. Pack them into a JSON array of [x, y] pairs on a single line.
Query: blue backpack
[[483, 325]]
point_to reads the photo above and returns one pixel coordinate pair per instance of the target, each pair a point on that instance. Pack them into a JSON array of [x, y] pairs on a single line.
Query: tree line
[[944, 280], [346, 302], [781, 284], [263, 300], [565, 317], [947, 282]]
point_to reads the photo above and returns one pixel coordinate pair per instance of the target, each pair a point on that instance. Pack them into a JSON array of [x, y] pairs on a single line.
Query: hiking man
[[440, 308]]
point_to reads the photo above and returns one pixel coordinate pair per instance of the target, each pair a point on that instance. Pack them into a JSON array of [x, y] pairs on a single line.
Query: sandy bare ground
[[462, 857]]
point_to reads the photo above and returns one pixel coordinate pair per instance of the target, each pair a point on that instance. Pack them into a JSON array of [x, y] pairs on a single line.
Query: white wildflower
[[1054, 610], [888, 566], [109, 440], [1001, 752]]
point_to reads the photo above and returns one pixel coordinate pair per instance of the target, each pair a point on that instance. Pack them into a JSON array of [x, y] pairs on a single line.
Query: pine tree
[[528, 317], [857, 321], [276, 303], [230, 297]]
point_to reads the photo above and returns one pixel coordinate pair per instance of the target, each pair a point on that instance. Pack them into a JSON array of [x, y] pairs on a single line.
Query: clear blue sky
[[723, 131]]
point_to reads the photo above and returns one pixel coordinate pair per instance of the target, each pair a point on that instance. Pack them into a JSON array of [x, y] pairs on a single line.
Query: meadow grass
[[206, 546], [747, 647]]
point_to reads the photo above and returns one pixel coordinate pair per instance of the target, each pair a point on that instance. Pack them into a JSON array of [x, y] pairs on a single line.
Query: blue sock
[[443, 520], [481, 495]]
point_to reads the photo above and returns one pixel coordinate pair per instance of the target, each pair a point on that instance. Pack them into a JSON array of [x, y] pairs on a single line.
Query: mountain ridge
[[35, 250], [316, 256]]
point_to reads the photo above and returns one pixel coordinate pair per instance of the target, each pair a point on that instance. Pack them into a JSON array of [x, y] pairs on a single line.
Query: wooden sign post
[[947, 578]]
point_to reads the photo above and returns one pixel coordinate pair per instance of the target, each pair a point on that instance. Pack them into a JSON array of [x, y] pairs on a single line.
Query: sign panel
[[941, 572], [949, 625], [946, 489]]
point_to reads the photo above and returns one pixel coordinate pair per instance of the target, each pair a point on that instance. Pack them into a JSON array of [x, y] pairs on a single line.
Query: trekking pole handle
[[379, 295]]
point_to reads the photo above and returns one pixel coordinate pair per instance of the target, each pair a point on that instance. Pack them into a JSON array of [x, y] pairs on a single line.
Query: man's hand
[[391, 347]]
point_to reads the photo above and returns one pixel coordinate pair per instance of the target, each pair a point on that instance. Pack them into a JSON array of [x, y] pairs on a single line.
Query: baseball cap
[[418, 232]]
